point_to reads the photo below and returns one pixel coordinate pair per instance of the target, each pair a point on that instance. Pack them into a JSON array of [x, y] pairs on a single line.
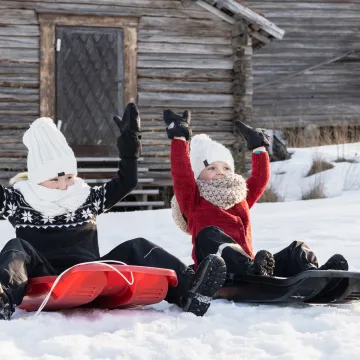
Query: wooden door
[[89, 87]]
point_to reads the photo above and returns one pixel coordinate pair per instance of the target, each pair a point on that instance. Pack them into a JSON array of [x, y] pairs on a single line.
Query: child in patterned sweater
[[212, 203], [54, 215]]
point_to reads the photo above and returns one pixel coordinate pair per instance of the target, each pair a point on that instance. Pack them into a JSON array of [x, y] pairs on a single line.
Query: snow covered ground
[[289, 177], [228, 330]]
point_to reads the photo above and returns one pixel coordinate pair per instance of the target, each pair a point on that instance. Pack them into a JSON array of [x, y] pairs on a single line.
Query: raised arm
[[260, 176], [185, 188], [257, 142], [129, 147]]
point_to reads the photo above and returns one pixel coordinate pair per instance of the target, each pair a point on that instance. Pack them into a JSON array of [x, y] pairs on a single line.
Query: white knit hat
[[204, 151], [49, 154]]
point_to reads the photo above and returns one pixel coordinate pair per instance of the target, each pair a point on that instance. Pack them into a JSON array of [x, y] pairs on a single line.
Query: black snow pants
[[292, 260], [19, 261]]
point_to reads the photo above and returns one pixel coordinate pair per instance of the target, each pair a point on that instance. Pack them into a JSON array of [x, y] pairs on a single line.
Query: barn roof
[[261, 29]]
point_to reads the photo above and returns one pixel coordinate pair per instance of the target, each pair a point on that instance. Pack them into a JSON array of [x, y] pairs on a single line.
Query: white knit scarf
[[224, 193], [53, 202]]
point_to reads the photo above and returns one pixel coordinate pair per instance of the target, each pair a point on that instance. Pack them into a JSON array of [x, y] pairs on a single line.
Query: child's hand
[[255, 138], [130, 120], [128, 142], [176, 125]]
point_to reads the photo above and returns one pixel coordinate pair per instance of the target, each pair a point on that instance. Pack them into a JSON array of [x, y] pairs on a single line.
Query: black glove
[[255, 138], [128, 142], [176, 125]]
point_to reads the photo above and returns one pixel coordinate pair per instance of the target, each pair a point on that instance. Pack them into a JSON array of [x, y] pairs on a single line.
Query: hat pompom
[[38, 123]]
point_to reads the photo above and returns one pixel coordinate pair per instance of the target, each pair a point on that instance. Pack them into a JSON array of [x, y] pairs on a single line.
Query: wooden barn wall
[[316, 31], [184, 60]]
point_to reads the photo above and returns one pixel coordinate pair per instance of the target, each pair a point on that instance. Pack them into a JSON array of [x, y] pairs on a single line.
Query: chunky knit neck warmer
[[224, 193]]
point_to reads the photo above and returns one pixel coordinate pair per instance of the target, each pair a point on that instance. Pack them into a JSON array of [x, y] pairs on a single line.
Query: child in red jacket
[[212, 203]]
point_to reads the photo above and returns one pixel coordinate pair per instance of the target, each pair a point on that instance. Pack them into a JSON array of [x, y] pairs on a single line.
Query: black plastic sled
[[313, 287]]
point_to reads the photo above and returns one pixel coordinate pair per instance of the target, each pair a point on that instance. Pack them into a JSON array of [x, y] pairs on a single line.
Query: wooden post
[[243, 86], [130, 76], [47, 70]]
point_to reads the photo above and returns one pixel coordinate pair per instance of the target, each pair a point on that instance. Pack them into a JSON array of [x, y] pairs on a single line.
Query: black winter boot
[[6, 307], [263, 264], [336, 262], [204, 284]]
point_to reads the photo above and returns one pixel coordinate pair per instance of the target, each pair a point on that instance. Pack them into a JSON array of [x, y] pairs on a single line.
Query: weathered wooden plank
[[8, 140], [311, 13], [308, 108], [174, 37], [264, 100], [313, 55], [299, 120], [162, 22], [194, 61], [299, 33], [155, 4], [187, 32], [19, 30], [304, 5], [188, 74], [19, 81], [185, 100], [169, 48], [213, 87], [12, 147], [17, 16], [13, 165], [321, 44], [13, 106], [284, 63], [98, 9], [20, 55], [301, 87], [19, 42], [13, 125], [18, 68], [10, 95], [14, 133], [288, 21]]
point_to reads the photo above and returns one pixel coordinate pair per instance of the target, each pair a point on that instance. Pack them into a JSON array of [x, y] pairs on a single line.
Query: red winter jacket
[[200, 213]]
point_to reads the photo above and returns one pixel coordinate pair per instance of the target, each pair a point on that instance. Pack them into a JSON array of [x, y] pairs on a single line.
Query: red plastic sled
[[100, 287]]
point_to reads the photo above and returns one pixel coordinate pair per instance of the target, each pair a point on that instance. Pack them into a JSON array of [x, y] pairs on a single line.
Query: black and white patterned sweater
[[68, 239]]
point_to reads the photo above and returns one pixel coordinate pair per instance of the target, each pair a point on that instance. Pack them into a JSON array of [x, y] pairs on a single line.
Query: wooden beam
[[87, 20], [216, 12], [252, 17]]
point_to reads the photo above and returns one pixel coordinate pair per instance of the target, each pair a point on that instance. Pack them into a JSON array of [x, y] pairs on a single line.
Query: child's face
[[216, 170], [60, 182]]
